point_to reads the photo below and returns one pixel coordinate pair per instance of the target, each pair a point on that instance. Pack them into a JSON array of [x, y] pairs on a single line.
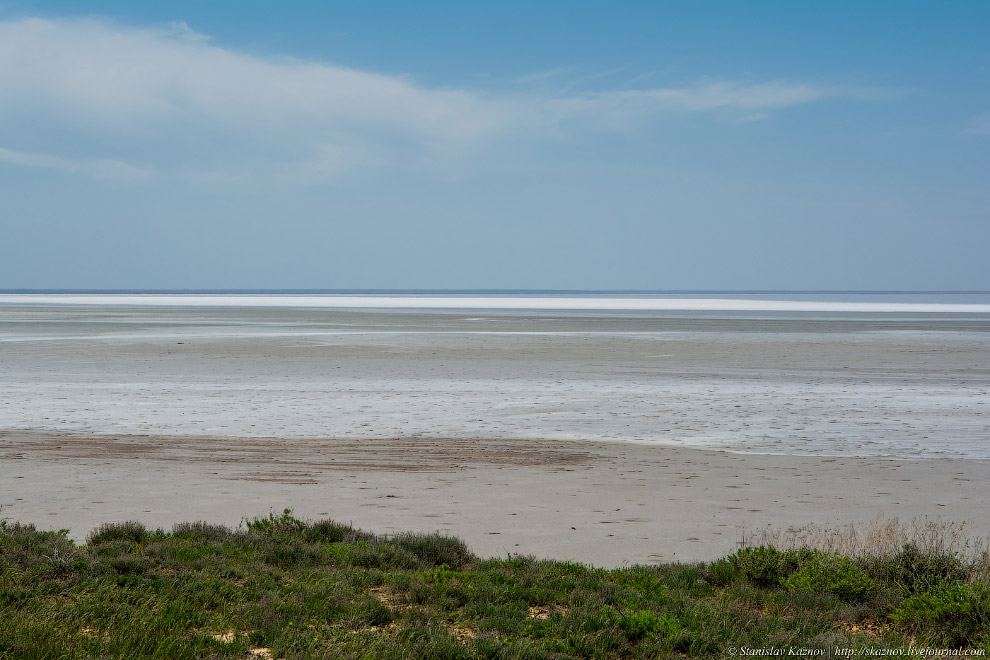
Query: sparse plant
[[60, 561], [272, 525]]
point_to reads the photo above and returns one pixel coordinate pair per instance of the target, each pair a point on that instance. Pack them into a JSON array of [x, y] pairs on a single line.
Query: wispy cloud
[[169, 101], [544, 76], [630, 107], [102, 169]]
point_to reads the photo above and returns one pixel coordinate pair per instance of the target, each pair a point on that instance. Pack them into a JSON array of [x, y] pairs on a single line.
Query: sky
[[461, 145]]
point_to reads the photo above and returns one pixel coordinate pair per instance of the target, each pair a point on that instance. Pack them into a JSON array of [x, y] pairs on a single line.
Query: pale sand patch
[[597, 502]]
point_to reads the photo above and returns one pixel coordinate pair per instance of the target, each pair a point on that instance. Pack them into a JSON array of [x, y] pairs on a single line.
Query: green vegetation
[[284, 588]]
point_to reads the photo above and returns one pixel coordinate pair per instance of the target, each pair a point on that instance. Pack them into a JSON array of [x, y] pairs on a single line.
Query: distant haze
[[566, 145]]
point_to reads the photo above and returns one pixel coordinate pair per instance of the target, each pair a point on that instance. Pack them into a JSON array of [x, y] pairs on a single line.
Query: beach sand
[[604, 503]]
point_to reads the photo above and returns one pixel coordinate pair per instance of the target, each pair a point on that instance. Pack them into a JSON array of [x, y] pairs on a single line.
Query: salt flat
[[839, 397]]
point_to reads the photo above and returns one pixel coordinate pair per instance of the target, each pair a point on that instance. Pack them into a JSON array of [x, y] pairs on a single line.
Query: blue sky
[[495, 145]]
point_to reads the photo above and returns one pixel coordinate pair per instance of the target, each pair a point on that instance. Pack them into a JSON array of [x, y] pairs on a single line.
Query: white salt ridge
[[496, 303]]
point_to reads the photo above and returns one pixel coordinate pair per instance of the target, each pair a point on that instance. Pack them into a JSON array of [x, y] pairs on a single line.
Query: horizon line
[[482, 291]]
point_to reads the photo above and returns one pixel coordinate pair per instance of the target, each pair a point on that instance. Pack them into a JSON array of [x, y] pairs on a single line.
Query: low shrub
[[435, 549], [916, 571], [800, 569], [16, 530], [62, 561], [381, 555], [329, 531], [283, 525], [721, 573], [111, 549], [130, 530], [763, 566], [953, 615], [832, 574], [200, 530]]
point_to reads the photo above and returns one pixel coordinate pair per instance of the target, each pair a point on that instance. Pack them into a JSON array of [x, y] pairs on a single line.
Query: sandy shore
[[605, 503]]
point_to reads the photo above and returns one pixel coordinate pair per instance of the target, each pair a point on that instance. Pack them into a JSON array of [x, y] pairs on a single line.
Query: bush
[[954, 615], [918, 572], [832, 574], [112, 549], [764, 566], [200, 530], [721, 573], [381, 555], [328, 531], [130, 530], [284, 525], [17, 530], [802, 569], [761, 566], [435, 549]]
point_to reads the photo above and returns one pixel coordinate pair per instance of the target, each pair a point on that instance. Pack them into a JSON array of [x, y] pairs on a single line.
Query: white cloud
[[131, 75], [168, 100]]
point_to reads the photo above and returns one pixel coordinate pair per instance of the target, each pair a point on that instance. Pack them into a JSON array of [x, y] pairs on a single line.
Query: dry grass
[[874, 629], [879, 539]]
